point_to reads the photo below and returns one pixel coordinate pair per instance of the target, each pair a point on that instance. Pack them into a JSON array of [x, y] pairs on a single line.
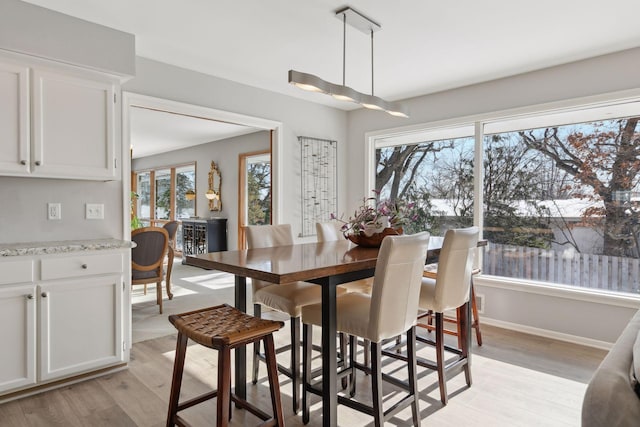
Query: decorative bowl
[[375, 240]]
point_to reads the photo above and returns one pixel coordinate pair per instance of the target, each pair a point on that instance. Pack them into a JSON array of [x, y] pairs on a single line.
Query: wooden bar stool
[[224, 328]]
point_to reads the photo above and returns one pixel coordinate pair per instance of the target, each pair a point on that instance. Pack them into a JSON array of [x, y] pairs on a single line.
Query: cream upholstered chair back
[[267, 236], [396, 285], [329, 231], [454, 268]]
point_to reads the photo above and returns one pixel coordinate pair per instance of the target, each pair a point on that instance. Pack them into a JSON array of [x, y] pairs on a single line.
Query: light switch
[[94, 211]]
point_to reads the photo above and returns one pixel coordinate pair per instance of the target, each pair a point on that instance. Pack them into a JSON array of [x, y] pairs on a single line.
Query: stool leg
[[257, 312], [295, 362], [176, 382], [442, 380], [224, 386], [413, 382], [274, 385], [306, 370], [475, 320]]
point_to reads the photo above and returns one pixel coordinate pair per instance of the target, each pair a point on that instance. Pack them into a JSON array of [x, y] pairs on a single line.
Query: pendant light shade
[[343, 92]]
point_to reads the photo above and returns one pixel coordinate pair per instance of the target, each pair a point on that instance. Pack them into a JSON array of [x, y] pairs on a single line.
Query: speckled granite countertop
[[65, 246]]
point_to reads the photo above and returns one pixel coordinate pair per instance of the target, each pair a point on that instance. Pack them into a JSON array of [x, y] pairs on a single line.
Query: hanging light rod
[[343, 92]]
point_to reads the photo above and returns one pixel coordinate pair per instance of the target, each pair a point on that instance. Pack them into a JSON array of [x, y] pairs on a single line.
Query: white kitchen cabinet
[[18, 317], [80, 325], [14, 119], [63, 315], [57, 121]]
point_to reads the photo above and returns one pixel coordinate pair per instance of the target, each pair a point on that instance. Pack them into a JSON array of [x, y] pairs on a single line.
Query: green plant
[[135, 221]]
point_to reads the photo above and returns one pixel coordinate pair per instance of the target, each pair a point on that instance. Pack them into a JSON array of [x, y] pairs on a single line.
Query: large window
[[164, 194], [560, 195]]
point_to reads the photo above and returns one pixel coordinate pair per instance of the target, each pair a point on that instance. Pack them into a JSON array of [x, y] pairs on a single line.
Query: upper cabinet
[[58, 122]]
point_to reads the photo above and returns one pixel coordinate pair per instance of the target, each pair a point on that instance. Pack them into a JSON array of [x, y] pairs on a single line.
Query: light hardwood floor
[[518, 380]]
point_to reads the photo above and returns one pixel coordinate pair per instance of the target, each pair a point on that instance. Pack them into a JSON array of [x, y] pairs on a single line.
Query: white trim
[[137, 100], [559, 291], [548, 334]]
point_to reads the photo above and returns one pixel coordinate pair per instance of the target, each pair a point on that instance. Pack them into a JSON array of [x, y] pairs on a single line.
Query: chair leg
[[257, 312], [353, 343], [442, 381], [176, 382], [343, 357], [306, 370], [476, 320], [413, 382], [466, 341], [169, 269], [224, 386], [274, 385], [159, 295], [367, 353], [376, 384], [145, 288], [295, 362]]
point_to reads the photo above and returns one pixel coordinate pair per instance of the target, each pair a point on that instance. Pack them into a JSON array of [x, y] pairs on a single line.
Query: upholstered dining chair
[[390, 310], [448, 291], [288, 298], [147, 258]]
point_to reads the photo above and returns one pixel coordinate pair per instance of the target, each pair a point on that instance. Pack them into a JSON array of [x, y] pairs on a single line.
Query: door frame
[[131, 100], [242, 168]]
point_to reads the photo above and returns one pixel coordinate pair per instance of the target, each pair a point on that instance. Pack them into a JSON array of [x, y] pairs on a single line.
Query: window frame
[[565, 109]]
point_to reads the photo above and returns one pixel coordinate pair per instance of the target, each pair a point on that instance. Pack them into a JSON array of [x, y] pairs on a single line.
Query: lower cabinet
[[62, 327], [18, 319], [80, 325]]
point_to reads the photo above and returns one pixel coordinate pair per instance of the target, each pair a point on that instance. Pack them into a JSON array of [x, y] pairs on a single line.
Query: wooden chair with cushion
[[431, 272], [390, 310], [448, 291], [147, 258], [288, 298]]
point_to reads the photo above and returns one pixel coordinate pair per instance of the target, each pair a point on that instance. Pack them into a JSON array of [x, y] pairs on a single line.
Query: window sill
[[561, 291]]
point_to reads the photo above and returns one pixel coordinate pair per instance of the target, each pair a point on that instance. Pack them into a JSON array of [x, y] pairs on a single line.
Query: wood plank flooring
[[518, 380]]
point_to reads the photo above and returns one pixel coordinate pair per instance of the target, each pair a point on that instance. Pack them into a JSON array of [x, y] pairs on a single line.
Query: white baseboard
[[547, 333]]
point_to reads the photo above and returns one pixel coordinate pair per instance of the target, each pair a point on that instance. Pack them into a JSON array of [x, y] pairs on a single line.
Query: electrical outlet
[[94, 211], [54, 211]]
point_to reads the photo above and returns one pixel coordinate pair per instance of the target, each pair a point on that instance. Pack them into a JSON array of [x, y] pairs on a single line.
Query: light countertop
[[65, 246]]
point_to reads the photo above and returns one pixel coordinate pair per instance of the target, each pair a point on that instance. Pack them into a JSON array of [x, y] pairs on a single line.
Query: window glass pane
[[144, 195], [258, 190], [185, 181], [433, 178], [562, 204], [163, 194]]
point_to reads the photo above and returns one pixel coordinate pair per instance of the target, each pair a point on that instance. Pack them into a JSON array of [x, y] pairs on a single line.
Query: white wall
[[225, 153], [609, 76]]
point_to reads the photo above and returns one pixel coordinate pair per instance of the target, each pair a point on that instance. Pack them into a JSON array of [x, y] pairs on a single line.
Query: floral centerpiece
[[374, 219]]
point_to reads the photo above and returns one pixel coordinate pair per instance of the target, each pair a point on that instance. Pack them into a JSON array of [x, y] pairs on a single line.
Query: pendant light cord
[[371, 62], [344, 48]]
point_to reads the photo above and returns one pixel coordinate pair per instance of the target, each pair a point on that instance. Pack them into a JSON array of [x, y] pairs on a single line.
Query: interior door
[[254, 198]]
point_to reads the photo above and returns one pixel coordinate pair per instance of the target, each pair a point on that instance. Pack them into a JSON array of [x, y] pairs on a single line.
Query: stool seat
[[224, 328], [223, 325]]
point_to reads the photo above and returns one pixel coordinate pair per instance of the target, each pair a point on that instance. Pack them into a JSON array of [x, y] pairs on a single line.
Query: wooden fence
[[567, 268]]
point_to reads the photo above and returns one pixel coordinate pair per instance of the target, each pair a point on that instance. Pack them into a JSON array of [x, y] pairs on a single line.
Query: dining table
[[327, 264]]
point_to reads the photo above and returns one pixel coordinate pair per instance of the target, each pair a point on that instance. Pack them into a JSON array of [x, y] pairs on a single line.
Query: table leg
[[329, 355], [241, 352]]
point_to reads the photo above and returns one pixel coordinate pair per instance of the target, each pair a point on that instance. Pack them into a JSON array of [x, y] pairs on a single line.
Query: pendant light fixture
[[343, 92]]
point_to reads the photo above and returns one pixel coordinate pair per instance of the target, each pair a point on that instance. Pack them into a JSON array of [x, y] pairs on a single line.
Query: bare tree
[[604, 163]]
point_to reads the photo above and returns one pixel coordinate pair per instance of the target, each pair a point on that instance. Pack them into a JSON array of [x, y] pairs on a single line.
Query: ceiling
[[423, 47]]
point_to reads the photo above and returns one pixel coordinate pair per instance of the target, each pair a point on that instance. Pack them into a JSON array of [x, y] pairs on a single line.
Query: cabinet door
[[80, 325], [73, 126], [14, 119], [18, 337]]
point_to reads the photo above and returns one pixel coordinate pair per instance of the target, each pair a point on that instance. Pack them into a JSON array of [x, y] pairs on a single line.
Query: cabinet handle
[[85, 266], [44, 295], [23, 162], [30, 296], [37, 162]]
